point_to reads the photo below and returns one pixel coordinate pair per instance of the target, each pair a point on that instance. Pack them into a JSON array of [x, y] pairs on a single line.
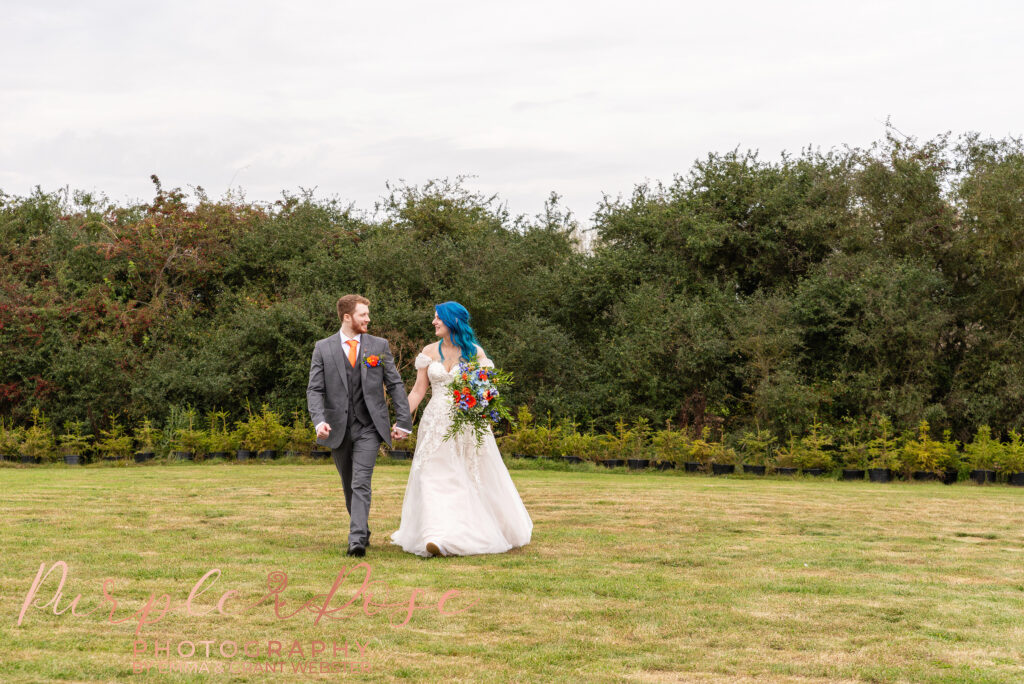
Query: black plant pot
[[613, 463], [723, 468], [317, 453], [184, 455], [28, 459], [924, 476], [73, 459], [219, 454], [638, 463], [950, 476], [267, 454], [242, 455], [786, 471], [983, 476], [691, 467], [523, 456], [400, 454], [1015, 479], [817, 472], [880, 474], [853, 474], [755, 469], [665, 465], [143, 456], [572, 459]]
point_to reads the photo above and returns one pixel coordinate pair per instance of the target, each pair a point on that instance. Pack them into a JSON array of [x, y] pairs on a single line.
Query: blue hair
[[456, 318]]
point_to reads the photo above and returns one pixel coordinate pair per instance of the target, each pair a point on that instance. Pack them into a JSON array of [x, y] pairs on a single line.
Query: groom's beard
[[359, 328]]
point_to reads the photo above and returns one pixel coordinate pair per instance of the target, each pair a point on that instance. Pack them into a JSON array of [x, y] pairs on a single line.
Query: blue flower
[[494, 415]]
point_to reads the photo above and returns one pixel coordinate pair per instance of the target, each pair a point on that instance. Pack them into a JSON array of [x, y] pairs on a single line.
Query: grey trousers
[[354, 460]]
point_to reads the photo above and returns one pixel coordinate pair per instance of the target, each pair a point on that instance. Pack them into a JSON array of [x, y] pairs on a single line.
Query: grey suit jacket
[[327, 391]]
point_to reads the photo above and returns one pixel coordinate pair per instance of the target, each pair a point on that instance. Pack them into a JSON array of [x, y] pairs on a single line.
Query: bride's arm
[[419, 390]]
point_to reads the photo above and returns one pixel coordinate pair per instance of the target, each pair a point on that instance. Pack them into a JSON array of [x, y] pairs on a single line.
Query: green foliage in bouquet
[[478, 400]]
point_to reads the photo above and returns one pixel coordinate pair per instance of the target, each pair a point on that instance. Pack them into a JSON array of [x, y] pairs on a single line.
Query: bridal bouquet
[[477, 400]]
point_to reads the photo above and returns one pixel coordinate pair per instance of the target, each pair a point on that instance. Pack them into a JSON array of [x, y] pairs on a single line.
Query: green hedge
[[820, 287]]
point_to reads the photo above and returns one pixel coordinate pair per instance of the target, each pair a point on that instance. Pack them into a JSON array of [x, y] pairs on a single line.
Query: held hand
[[324, 431], [397, 434]]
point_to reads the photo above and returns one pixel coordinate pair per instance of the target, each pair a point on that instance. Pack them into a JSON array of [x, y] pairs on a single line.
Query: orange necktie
[[352, 344]]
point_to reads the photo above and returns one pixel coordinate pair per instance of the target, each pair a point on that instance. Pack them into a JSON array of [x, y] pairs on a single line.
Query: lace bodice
[[436, 373], [436, 417]]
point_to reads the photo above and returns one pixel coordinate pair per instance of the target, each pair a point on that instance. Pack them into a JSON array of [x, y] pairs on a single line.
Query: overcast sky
[[579, 98]]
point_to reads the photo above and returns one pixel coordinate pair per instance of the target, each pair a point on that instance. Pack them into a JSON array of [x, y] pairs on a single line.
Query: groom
[[345, 397]]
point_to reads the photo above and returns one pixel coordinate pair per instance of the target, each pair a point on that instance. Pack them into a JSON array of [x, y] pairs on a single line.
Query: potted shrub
[[756, 449], [521, 440], [920, 456], [855, 460], [814, 457], [145, 437], [883, 451], [1013, 459], [949, 457], [10, 441], [218, 441], [701, 452], [240, 437], [114, 444], [38, 444], [189, 442], [266, 433], [613, 446], [983, 453], [637, 450], [74, 443], [299, 435], [670, 447], [786, 457], [581, 447]]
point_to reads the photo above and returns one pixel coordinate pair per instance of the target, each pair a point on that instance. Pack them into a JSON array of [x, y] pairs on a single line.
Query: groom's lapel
[[364, 351], [339, 357]]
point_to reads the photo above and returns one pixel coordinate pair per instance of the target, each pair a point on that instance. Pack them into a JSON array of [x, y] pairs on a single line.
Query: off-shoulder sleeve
[[484, 361], [422, 361]]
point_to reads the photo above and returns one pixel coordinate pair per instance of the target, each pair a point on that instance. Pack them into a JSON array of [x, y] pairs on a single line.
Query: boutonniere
[[371, 361]]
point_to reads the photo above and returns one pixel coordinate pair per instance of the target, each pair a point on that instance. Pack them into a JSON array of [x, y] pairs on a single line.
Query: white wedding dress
[[459, 496]]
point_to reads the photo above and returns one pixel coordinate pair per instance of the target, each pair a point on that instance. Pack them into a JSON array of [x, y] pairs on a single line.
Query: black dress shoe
[[357, 551]]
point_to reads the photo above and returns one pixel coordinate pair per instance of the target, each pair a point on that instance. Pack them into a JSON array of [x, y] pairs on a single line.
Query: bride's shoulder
[[426, 357], [482, 358]]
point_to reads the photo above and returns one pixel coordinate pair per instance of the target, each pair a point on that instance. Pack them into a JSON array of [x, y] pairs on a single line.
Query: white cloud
[[580, 98]]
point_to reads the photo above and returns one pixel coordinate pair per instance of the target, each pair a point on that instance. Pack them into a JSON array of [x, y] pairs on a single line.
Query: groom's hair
[[347, 304]]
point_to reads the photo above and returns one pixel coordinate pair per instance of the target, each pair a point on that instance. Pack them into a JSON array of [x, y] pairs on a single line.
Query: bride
[[460, 499]]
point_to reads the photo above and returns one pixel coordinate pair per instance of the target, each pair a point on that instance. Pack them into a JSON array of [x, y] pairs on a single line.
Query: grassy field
[[630, 577]]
